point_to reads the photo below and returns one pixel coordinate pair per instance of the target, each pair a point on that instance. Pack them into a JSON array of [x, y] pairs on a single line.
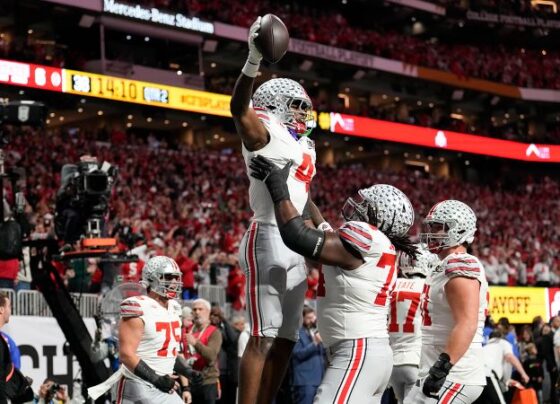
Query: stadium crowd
[[192, 205], [534, 68], [520, 67]]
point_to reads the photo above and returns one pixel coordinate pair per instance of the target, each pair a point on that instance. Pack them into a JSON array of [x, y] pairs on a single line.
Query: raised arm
[[252, 132], [324, 247]]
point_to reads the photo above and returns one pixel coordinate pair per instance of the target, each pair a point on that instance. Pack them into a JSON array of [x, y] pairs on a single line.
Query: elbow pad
[[302, 239]]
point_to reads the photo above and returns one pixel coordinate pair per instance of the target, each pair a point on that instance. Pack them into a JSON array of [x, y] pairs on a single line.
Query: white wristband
[[325, 226], [251, 68]]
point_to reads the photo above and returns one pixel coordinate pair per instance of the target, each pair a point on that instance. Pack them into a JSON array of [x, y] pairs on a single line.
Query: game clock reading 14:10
[[117, 89]]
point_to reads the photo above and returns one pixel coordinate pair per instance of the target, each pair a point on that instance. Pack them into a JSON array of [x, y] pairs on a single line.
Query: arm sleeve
[[131, 308], [358, 235], [210, 352], [463, 266]]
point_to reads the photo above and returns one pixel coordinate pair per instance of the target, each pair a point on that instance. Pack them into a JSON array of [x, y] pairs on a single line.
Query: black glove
[[164, 383], [436, 377], [196, 379], [274, 177]]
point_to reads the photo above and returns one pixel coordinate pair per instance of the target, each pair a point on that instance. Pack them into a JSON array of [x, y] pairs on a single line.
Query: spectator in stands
[[526, 339], [204, 344], [8, 273], [508, 332], [546, 351], [308, 360], [241, 326], [534, 367], [228, 358]]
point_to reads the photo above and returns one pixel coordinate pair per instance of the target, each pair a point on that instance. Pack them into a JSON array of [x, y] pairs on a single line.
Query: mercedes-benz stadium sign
[[156, 16]]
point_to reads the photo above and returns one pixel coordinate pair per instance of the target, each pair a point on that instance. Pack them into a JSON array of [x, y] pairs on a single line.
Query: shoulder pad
[[131, 307], [464, 265], [175, 307], [362, 236]]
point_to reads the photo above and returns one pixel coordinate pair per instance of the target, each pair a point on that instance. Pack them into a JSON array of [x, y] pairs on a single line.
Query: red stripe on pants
[[120, 390], [253, 278], [451, 393], [354, 370]]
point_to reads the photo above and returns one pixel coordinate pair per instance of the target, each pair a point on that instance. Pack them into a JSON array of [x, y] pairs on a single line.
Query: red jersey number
[[169, 329], [414, 298], [305, 171]]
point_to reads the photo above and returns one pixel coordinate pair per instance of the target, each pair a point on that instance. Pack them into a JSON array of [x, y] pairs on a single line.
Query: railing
[[213, 293], [32, 302]]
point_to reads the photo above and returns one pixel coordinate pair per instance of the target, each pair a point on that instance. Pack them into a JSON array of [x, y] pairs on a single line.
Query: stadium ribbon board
[[141, 92], [204, 102], [519, 304]]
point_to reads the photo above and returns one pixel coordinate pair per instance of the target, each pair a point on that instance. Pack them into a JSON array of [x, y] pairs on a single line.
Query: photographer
[[51, 393]]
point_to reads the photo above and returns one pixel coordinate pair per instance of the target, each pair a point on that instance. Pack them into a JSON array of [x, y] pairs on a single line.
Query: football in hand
[[273, 38]]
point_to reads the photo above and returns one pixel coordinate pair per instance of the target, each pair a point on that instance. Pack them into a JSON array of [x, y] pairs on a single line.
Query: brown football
[[273, 38]]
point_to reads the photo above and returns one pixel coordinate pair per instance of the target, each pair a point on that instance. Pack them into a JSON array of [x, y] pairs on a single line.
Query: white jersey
[[162, 332], [281, 148], [355, 304], [438, 319], [405, 321]]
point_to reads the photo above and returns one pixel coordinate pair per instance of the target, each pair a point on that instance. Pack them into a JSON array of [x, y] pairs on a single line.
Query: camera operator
[[82, 200], [51, 393]]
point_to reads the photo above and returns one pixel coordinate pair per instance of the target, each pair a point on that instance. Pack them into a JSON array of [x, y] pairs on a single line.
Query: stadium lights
[[48, 121], [184, 124], [457, 116], [80, 110], [130, 117], [213, 65], [128, 124], [128, 37], [21, 92], [216, 136], [166, 122], [386, 152], [360, 148], [99, 112], [326, 144], [149, 119], [52, 114], [467, 163], [146, 39], [61, 118], [179, 72], [30, 31]]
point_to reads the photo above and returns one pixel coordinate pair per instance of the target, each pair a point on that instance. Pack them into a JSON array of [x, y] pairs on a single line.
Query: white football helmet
[[288, 101], [448, 224], [163, 276], [423, 265], [383, 206]]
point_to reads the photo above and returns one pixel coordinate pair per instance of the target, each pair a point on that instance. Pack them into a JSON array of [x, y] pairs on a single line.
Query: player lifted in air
[[405, 319], [453, 311], [353, 295], [276, 126]]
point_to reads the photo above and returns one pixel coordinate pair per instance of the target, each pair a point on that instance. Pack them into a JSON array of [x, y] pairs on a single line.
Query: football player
[[149, 337], [405, 320], [355, 283], [276, 126], [453, 310]]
